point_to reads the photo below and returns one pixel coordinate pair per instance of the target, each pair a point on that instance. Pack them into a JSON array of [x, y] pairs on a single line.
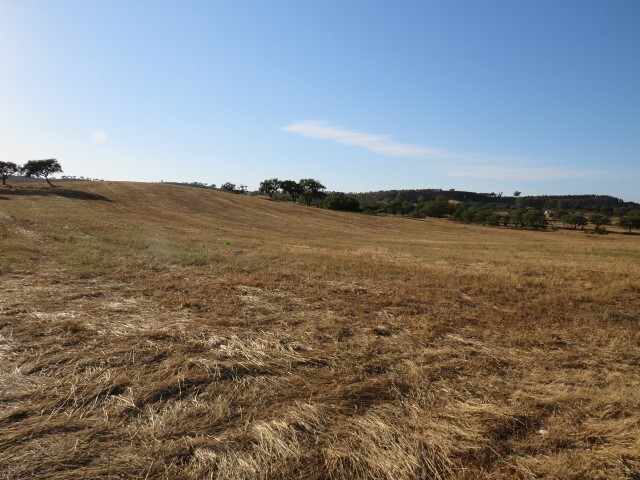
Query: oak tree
[[311, 189], [41, 168], [269, 186], [7, 169]]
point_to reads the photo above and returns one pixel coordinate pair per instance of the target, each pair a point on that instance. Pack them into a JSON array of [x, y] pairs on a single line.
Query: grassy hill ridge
[[156, 331]]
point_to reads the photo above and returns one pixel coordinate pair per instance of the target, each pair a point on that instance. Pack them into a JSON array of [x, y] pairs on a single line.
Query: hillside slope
[[156, 331]]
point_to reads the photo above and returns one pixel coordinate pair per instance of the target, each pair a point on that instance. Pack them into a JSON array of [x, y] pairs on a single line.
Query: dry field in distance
[[155, 331]]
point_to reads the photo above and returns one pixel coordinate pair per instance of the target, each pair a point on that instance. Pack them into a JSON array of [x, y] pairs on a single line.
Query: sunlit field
[[155, 331]]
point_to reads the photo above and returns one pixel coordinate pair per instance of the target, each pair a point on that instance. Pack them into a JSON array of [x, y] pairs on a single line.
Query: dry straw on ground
[[153, 331]]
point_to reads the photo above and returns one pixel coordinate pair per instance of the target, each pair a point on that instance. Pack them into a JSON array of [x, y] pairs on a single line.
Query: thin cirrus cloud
[[381, 144], [448, 162]]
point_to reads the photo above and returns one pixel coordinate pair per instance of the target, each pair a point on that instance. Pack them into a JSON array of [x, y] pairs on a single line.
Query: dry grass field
[[155, 331]]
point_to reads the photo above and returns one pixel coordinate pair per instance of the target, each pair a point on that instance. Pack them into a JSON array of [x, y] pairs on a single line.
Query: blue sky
[[540, 96]]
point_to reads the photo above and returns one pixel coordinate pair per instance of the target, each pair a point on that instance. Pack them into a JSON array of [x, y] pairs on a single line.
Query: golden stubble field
[[155, 331]]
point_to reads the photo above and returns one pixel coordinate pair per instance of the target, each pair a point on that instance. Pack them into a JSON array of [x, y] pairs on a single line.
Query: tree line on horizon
[[533, 212], [536, 218], [491, 209], [307, 190], [33, 168]]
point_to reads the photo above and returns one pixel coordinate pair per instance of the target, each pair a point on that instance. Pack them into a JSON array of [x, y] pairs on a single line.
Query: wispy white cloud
[[381, 144], [99, 137], [448, 162]]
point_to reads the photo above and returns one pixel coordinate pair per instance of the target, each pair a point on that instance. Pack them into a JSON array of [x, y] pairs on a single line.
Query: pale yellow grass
[[173, 332]]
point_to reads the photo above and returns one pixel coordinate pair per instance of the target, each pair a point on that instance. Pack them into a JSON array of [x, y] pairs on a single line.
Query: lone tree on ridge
[[41, 168], [7, 169]]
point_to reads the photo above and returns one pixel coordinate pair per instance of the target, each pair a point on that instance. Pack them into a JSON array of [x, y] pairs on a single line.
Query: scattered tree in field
[[535, 218], [291, 187], [575, 221], [438, 208], [231, 188], [486, 217], [516, 217], [473, 212], [7, 169], [228, 187], [598, 220], [526, 217], [310, 189], [41, 168], [517, 194], [269, 187], [630, 222]]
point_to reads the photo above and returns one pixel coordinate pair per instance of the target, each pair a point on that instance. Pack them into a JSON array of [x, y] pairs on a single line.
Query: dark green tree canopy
[[535, 218], [41, 168], [291, 187], [516, 217], [575, 220], [7, 169], [439, 207], [231, 188], [342, 202], [599, 219], [311, 189], [228, 187], [473, 212], [630, 222], [269, 187]]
